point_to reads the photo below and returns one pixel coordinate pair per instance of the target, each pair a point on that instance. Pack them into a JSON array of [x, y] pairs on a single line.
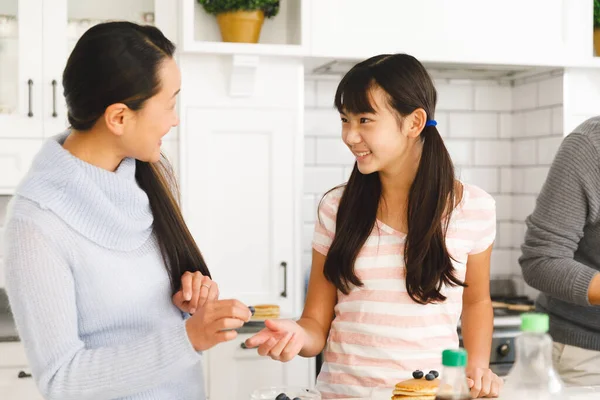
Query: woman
[[101, 270], [399, 252]]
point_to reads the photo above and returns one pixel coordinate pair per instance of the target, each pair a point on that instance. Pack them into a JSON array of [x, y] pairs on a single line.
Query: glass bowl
[[271, 393]]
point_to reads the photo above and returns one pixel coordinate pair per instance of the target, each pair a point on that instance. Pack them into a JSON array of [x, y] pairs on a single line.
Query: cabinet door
[[238, 192], [441, 30], [17, 384], [13, 355], [20, 68], [16, 156], [235, 372], [64, 23]]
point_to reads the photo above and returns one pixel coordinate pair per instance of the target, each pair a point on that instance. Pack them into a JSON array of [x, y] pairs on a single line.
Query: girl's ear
[[415, 122]]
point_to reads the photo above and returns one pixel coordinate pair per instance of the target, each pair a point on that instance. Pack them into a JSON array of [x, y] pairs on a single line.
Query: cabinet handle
[[54, 83], [284, 265], [23, 374], [30, 84]]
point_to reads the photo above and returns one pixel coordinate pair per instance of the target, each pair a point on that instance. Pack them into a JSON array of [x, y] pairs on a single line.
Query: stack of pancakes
[[416, 389], [265, 311]]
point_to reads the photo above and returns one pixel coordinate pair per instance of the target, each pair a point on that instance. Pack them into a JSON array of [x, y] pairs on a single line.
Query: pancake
[[265, 311], [416, 389]]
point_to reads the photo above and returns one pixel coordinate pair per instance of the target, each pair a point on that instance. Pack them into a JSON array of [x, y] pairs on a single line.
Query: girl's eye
[[344, 119], [364, 120]]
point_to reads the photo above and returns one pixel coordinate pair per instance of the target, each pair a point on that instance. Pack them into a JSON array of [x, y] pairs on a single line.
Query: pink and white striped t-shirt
[[379, 335]]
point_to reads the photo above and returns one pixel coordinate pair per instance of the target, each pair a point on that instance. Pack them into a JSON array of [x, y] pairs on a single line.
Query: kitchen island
[[573, 393]]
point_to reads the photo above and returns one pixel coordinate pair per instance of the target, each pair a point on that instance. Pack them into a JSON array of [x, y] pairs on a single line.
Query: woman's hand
[[196, 290], [281, 340], [484, 383], [215, 323]]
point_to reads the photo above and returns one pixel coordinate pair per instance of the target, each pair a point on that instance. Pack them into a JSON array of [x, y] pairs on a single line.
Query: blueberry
[[253, 310], [282, 396], [417, 374], [430, 377], [296, 398], [435, 373]]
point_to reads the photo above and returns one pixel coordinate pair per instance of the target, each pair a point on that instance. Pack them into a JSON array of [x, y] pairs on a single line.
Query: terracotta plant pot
[[241, 26], [597, 42]]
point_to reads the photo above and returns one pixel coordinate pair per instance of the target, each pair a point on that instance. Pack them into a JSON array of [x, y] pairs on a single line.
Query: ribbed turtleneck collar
[[108, 208]]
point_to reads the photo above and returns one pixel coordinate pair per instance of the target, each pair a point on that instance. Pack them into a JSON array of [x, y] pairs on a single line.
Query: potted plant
[[597, 27], [241, 20]]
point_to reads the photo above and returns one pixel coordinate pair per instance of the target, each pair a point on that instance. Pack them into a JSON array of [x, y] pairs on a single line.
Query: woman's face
[[147, 126]]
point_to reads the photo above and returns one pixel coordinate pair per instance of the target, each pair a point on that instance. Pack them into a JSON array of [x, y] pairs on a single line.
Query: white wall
[[537, 133]]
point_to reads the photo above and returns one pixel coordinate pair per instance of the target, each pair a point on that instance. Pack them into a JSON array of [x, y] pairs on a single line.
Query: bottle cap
[[454, 358], [535, 322]]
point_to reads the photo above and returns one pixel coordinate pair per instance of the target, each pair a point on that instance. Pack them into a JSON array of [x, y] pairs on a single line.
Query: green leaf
[[214, 7]]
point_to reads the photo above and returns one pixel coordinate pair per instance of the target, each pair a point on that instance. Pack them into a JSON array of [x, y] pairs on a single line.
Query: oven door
[[501, 369]]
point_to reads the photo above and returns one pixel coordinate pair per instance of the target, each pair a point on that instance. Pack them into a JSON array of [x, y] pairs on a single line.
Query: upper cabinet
[[545, 33], [532, 32], [20, 69], [64, 23], [36, 38]]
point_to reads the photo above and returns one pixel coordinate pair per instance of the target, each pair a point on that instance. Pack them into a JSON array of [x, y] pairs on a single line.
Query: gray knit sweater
[[88, 287], [561, 253]]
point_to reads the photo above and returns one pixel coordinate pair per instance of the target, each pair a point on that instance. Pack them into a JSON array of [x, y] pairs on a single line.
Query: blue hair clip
[[431, 122]]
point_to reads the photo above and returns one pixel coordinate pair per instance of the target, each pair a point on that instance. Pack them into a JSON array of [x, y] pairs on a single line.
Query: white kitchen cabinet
[[240, 195], [16, 156], [241, 164], [20, 69], [36, 38], [17, 384], [13, 355], [64, 23], [458, 31], [241, 148], [234, 372]]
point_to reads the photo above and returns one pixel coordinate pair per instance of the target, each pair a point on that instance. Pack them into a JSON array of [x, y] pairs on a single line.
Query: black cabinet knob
[[23, 374]]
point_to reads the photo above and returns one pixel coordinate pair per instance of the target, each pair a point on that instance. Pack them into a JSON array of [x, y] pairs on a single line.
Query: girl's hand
[[281, 340], [484, 383]]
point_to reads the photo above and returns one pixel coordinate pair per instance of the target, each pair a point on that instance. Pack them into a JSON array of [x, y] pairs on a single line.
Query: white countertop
[[573, 393]]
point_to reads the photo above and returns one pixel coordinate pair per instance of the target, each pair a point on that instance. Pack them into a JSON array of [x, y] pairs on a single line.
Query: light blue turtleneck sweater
[[88, 287]]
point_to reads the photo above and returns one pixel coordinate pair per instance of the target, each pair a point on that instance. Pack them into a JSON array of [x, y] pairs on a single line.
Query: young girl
[[399, 252]]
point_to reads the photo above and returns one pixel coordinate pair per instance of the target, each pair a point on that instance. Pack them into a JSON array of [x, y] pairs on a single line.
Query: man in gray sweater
[[561, 254]]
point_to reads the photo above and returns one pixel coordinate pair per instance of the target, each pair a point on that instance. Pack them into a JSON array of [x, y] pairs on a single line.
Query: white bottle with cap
[[533, 376]]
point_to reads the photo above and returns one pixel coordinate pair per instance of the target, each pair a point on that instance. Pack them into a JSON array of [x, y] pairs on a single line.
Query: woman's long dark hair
[[118, 62], [431, 196]]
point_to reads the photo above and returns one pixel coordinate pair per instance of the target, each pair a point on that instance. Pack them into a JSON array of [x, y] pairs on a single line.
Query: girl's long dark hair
[[118, 62], [431, 196]]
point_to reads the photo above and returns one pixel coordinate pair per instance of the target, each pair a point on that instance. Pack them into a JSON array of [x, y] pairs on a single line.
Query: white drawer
[[12, 354], [17, 384]]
